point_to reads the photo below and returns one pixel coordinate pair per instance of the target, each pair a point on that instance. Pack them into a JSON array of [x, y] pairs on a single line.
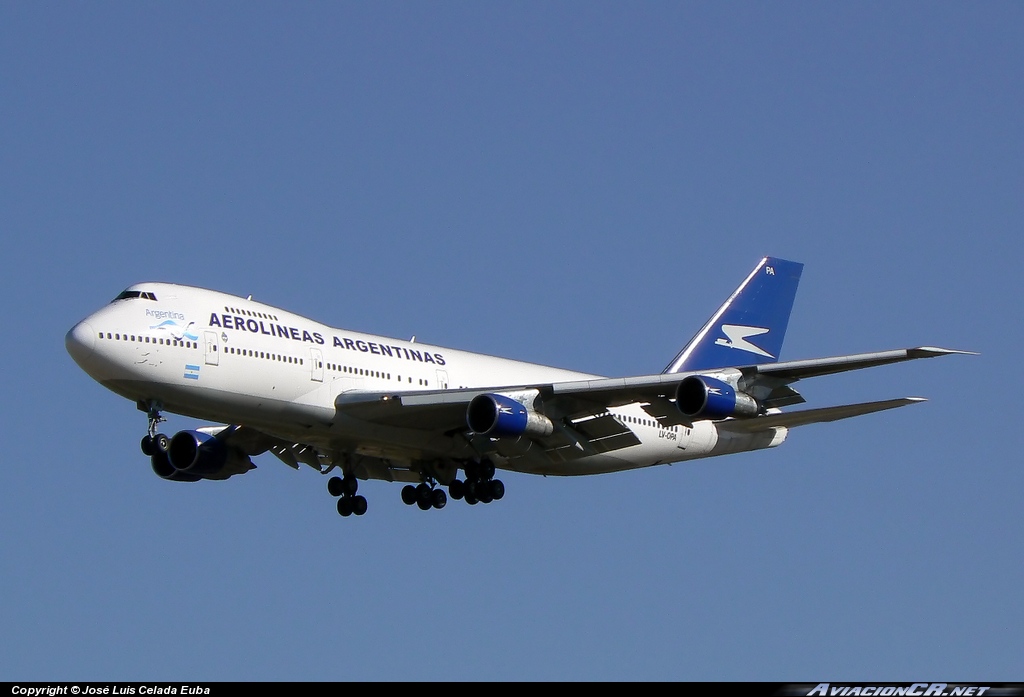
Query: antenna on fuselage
[[249, 297], [413, 339]]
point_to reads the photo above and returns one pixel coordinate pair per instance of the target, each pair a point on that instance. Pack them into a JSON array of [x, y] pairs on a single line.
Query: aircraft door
[[442, 379], [685, 433], [212, 348], [317, 357]]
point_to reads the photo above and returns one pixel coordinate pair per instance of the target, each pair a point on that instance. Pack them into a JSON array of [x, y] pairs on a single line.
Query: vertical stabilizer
[[750, 326]]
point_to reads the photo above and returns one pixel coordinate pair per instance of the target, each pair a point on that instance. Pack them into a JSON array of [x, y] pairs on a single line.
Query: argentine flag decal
[[192, 372]]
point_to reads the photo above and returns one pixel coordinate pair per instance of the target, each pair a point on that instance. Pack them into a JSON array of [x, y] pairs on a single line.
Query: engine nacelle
[[699, 396], [500, 416], [165, 470], [202, 455]]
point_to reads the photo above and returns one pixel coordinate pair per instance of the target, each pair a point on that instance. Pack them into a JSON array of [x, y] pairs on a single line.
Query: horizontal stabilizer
[[814, 416]]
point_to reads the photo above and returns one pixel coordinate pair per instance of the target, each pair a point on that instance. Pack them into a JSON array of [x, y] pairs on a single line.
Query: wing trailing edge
[[813, 416]]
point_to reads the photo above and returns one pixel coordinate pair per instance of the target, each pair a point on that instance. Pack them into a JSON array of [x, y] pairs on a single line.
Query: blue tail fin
[[750, 326]]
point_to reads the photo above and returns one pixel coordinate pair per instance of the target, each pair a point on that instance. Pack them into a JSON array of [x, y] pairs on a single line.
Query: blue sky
[[576, 184]]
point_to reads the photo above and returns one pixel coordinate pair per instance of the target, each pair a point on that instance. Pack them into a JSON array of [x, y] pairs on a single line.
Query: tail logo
[[737, 336]]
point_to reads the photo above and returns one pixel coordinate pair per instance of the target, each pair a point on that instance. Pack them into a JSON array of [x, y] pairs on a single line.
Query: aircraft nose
[[80, 341]]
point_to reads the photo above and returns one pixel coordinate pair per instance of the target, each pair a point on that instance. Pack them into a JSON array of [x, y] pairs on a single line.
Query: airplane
[[374, 407]]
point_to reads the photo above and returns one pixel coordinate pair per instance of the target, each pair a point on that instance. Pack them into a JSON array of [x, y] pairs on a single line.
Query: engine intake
[[705, 397], [500, 416]]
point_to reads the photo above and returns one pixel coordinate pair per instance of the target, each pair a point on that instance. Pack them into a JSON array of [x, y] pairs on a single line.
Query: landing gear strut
[[153, 442], [345, 489]]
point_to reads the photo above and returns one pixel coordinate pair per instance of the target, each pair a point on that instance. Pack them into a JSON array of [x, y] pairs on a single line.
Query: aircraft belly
[[223, 406], [705, 439], [390, 442]]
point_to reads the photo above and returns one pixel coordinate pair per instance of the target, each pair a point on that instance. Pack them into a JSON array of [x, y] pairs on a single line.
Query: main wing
[[579, 409]]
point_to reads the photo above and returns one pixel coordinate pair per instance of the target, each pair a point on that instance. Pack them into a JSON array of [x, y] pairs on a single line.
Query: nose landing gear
[[153, 442]]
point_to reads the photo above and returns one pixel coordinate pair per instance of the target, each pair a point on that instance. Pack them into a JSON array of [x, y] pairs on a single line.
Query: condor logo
[[737, 336]]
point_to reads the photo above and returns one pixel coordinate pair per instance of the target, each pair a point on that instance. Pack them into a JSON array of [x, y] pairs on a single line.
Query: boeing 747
[[371, 407]]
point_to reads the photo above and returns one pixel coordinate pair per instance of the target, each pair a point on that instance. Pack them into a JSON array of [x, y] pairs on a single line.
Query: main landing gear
[[480, 485], [425, 495], [345, 489]]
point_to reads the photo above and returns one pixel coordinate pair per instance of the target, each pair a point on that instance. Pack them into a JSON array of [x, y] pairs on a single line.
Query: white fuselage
[[226, 359]]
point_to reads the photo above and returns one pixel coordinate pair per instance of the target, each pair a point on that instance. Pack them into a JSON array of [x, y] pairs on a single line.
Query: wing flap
[[597, 427], [605, 432], [812, 416]]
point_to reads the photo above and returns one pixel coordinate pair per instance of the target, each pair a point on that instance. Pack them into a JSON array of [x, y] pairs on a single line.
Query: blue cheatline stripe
[[191, 376], [191, 367]]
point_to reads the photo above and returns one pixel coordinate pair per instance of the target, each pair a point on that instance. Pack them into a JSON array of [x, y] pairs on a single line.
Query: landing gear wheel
[[351, 484], [335, 487], [358, 505], [456, 489], [424, 497], [497, 489], [484, 493], [471, 500], [439, 499], [147, 445], [161, 442], [345, 506], [486, 469], [408, 494]]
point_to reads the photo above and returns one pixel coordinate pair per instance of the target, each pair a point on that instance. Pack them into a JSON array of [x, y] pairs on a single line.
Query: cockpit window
[[129, 294]]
